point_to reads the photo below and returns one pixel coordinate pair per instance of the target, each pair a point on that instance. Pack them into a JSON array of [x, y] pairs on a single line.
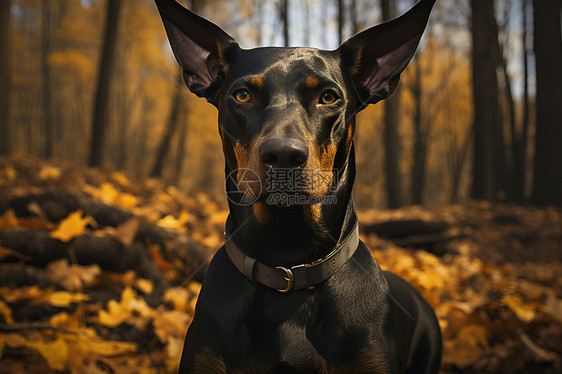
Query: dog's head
[[289, 111]]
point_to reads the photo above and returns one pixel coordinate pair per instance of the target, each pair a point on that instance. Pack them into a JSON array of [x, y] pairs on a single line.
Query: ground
[[99, 273]]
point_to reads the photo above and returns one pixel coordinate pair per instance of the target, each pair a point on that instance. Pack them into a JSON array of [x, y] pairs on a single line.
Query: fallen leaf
[[49, 172], [72, 277], [127, 231], [55, 352], [170, 222], [22, 294], [36, 209], [159, 261], [178, 297], [170, 323], [64, 299], [174, 350], [71, 227], [8, 219], [8, 174], [104, 347], [144, 285], [119, 312], [525, 312], [6, 314], [468, 346], [554, 307]]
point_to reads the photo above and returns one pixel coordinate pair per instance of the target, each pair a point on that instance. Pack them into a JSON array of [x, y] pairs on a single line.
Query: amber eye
[[328, 97], [242, 96]]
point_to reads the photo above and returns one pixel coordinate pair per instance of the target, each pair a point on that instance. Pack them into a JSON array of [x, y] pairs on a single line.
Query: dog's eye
[[242, 96], [328, 97]]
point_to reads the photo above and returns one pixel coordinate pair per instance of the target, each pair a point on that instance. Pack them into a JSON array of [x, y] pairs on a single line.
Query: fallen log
[[188, 257]]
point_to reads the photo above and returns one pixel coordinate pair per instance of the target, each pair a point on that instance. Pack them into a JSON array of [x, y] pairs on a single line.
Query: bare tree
[[46, 109], [391, 137], [341, 18], [520, 135], [420, 139], [284, 15], [171, 126], [4, 76], [547, 187], [485, 93], [100, 116]]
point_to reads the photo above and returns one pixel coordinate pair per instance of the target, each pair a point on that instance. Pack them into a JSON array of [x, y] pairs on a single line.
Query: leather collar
[[285, 279]]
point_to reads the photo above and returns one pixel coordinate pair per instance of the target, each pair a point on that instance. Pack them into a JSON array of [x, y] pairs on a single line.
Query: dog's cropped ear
[[200, 47], [377, 56]]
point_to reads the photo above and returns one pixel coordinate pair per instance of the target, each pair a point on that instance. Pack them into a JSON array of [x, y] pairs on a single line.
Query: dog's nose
[[284, 153]]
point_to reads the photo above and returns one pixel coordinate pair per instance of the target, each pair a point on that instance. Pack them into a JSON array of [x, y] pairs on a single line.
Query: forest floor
[[100, 273]]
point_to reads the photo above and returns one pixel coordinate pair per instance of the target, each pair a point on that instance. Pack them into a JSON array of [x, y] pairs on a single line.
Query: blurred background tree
[[481, 95]]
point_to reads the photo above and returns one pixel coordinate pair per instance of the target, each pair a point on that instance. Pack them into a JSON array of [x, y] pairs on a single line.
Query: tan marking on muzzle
[[327, 155]]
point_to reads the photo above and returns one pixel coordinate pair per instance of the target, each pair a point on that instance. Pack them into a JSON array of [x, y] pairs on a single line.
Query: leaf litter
[[495, 285]]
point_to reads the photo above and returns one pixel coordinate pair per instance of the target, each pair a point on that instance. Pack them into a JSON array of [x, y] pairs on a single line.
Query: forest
[[112, 196]]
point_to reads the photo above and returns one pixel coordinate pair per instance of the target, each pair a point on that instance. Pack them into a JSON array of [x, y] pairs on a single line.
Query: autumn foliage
[[493, 275]]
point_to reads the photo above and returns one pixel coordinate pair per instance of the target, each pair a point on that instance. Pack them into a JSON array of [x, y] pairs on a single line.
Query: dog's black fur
[[291, 108]]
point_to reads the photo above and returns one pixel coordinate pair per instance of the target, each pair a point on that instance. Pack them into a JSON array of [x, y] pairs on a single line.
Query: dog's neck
[[299, 233]]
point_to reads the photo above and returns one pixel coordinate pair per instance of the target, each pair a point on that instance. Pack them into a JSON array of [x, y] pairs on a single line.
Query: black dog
[[293, 289]]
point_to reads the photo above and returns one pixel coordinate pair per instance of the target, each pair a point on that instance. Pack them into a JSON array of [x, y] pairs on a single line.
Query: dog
[[294, 290]]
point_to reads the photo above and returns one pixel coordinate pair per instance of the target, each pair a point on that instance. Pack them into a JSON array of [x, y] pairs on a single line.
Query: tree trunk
[[341, 17], [4, 76], [171, 127], [391, 137], [485, 91], [284, 13], [104, 79], [46, 110], [420, 140], [520, 139], [547, 187]]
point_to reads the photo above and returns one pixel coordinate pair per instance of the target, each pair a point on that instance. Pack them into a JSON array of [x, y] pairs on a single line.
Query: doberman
[[294, 290]]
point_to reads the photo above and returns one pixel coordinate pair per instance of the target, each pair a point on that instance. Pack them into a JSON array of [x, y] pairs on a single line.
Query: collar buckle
[[290, 278]]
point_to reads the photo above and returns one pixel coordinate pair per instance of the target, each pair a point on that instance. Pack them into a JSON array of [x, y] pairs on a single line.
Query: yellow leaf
[[65, 321], [49, 172], [170, 222], [468, 346], [178, 297], [71, 227], [8, 219], [144, 285], [174, 350], [107, 193], [115, 315], [104, 347], [118, 312], [171, 323], [64, 299], [55, 353], [525, 312], [8, 174], [6, 313], [120, 179], [23, 294]]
